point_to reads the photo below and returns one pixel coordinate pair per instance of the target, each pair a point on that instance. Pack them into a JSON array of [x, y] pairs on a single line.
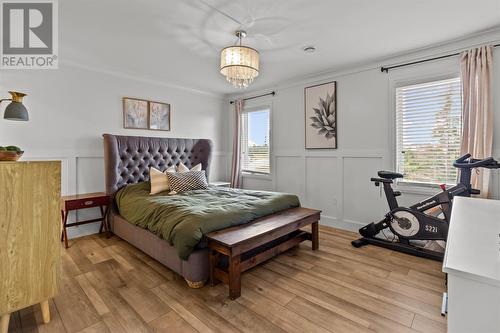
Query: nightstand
[[221, 184], [81, 201]]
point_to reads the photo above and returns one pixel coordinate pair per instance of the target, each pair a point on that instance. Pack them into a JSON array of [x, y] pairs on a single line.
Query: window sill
[[415, 188], [249, 175]]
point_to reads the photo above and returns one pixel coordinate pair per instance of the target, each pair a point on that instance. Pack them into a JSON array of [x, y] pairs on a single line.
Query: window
[[255, 140], [428, 131]]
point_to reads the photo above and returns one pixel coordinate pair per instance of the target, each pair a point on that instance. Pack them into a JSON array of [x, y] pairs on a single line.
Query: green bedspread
[[183, 219]]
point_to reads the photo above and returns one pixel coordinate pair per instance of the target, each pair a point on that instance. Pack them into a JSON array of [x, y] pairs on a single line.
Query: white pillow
[[159, 180], [182, 168]]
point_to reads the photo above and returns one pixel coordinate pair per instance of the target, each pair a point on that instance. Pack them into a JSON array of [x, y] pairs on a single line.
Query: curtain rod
[[248, 98], [386, 69]]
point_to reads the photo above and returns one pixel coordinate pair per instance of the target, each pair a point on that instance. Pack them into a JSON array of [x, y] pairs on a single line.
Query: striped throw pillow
[[186, 181], [159, 180]]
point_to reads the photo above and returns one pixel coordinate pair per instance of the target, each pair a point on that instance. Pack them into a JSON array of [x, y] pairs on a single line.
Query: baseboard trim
[[348, 225], [83, 230]]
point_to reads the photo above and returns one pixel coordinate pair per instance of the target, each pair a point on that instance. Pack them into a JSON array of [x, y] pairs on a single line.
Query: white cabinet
[[472, 261]]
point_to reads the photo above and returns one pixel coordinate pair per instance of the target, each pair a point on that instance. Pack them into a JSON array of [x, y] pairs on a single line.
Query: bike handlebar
[[466, 162]]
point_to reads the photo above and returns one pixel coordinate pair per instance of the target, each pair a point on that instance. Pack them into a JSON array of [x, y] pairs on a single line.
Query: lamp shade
[[239, 64], [16, 111]]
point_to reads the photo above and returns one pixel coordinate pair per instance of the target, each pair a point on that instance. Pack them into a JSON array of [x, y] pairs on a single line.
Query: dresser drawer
[[85, 203]]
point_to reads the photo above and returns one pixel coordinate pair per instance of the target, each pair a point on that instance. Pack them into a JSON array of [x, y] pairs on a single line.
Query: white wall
[[70, 108], [338, 181]]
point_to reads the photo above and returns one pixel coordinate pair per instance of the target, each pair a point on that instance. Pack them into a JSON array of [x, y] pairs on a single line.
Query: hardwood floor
[[109, 286]]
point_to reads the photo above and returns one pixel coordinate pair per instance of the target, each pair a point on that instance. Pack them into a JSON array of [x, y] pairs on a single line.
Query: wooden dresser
[[29, 236]]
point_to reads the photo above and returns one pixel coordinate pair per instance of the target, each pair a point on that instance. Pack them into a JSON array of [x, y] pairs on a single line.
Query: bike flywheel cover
[[404, 223]]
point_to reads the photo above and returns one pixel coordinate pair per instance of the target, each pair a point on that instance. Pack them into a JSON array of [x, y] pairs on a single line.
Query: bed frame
[[127, 161]]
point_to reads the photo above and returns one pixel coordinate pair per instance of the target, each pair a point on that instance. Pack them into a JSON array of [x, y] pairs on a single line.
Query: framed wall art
[[159, 116], [135, 113], [320, 103], [143, 114]]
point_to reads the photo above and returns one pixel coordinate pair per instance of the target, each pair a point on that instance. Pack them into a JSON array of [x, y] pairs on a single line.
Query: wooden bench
[[237, 249]]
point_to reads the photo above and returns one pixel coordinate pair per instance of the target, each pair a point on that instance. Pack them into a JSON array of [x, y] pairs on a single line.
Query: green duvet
[[183, 219]]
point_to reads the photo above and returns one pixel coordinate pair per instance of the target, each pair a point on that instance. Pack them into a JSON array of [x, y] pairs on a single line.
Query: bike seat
[[389, 175]]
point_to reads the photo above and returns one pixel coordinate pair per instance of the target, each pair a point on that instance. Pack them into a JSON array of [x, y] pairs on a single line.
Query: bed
[[127, 162]]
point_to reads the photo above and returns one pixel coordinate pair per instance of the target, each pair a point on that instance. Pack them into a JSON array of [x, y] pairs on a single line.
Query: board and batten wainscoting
[[338, 183], [327, 181]]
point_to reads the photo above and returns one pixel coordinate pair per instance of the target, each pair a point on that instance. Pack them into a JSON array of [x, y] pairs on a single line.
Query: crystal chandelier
[[239, 64]]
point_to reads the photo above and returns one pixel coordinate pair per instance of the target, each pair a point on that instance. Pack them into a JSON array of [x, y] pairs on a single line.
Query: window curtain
[[236, 161], [477, 111]]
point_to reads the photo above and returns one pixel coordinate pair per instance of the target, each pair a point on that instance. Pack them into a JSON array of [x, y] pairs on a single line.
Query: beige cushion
[[182, 168], [159, 180]]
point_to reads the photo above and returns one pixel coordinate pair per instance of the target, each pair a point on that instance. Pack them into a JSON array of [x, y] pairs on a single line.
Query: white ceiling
[[178, 41]]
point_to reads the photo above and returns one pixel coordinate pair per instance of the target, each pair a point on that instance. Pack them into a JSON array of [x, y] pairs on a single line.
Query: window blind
[[255, 148], [429, 124]]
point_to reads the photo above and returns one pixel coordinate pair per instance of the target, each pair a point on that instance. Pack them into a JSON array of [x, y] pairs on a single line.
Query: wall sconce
[[15, 110]]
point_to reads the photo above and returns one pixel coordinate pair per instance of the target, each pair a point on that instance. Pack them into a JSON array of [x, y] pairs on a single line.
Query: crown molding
[[488, 36], [128, 76]]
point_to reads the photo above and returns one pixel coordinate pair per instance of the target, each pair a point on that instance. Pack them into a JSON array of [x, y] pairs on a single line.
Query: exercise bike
[[418, 222]]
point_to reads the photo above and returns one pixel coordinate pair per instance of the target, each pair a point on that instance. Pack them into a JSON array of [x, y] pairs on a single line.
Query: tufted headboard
[[127, 159]]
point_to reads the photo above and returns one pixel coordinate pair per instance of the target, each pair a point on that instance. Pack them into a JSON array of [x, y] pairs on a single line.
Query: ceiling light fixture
[[239, 64]]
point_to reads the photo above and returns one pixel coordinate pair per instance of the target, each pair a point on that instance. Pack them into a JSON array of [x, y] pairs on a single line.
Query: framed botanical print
[[135, 113], [320, 103], [159, 116]]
